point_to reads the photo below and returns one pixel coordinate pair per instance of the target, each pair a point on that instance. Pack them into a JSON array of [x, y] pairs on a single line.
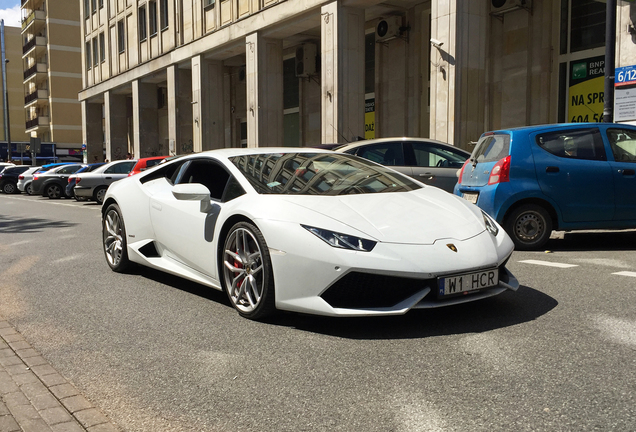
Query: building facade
[[52, 78], [15, 73], [181, 76]]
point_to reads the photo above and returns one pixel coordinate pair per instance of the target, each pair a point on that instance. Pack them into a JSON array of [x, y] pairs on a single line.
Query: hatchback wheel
[[247, 272], [9, 188], [29, 189], [529, 226], [54, 191]]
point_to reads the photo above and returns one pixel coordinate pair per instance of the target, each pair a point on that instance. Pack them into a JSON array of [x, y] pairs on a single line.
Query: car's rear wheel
[[9, 188], [114, 239], [29, 189], [54, 191], [529, 226], [99, 195], [247, 272]]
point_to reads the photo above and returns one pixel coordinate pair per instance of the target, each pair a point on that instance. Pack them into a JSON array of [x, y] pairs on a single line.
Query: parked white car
[[25, 179], [93, 185]]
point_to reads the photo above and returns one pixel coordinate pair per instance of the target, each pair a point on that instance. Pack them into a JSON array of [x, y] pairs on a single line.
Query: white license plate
[[468, 282], [471, 196]]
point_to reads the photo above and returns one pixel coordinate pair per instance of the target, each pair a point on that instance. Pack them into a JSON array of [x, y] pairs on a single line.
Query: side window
[[389, 154], [623, 144], [110, 170], [68, 170], [232, 190], [208, 173], [431, 155], [574, 144]]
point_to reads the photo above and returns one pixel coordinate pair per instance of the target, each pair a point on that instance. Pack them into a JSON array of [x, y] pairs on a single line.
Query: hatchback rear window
[[491, 148]]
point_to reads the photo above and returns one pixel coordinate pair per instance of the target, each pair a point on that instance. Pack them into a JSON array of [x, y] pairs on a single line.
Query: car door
[[622, 142], [572, 169], [181, 227], [435, 163]]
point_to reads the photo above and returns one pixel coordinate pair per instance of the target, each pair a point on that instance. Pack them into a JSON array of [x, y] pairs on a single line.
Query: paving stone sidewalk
[[35, 397]]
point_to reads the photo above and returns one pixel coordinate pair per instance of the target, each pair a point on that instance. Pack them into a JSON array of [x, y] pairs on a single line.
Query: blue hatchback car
[[564, 177]]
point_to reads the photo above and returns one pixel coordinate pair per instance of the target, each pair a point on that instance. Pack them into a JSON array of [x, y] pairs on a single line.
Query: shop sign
[[586, 92]]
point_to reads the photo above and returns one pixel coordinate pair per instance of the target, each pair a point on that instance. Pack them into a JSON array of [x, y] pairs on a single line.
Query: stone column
[[145, 120], [116, 126], [458, 70], [264, 76], [342, 73], [207, 104], [93, 132]]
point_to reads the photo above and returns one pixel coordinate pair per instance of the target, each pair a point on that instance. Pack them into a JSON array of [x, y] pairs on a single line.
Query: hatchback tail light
[[77, 180], [500, 172], [35, 178], [461, 171], [20, 177]]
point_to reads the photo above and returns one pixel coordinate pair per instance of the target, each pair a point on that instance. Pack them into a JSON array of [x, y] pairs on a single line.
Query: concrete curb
[[35, 397]]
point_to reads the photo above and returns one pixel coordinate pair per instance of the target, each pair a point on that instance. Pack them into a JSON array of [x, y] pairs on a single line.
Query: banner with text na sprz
[[586, 91]]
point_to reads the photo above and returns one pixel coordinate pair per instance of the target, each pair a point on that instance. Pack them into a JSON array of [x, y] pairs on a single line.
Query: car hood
[[418, 217]]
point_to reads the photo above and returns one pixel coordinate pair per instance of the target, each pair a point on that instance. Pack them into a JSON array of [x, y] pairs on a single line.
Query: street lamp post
[[7, 124]]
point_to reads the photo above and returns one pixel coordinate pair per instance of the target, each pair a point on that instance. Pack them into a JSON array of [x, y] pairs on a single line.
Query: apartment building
[[177, 76], [15, 73], [52, 78]]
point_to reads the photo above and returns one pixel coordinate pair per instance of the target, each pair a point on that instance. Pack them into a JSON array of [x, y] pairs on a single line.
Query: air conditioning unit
[[388, 28], [306, 60], [500, 7]]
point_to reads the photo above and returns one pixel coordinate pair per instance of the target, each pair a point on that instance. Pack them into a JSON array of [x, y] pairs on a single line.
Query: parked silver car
[[429, 161], [93, 185], [25, 179]]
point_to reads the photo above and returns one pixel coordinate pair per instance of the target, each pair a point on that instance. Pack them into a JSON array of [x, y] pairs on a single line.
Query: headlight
[[342, 241], [491, 225]]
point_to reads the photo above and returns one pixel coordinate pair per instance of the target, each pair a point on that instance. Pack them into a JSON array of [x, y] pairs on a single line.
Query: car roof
[[555, 126], [356, 144]]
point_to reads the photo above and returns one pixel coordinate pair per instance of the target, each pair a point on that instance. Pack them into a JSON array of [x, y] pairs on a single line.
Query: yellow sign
[[586, 93], [369, 119]]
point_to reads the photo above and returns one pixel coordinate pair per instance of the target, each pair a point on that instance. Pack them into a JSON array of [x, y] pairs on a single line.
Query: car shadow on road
[[30, 224], [504, 310], [594, 241]]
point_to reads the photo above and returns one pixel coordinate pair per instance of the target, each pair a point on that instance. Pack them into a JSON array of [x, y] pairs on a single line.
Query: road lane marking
[[91, 207], [626, 273], [549, 263]]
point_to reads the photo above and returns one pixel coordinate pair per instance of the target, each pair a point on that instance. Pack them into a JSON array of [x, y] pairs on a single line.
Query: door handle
[[428, 174], [628, 171], [108, 178], [552, 169]]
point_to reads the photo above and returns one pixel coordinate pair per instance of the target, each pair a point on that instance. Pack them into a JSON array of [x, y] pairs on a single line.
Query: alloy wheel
[[243, 270], [113, 237]]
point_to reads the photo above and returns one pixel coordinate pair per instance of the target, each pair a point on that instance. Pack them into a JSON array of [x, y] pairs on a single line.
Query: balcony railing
[[38, 40], [38, 94], [35, 15], [38, 121], [36, 68]]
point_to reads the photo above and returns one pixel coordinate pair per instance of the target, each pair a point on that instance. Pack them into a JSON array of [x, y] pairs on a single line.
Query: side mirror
[[193, 192]]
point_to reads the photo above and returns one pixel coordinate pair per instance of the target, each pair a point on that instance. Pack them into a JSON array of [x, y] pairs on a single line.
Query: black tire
[[245, 260], [29, 189], [54, 191], [529, 226], [10, 188], [114, 239], [99, 194]]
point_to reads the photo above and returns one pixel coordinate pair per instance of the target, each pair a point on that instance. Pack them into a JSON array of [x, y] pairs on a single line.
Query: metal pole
[[610, 59], [7, 123]]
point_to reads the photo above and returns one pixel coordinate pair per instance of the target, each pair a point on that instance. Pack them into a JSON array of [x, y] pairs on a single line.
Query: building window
[[152, 18], [142, 24], [102, 47], [164, 14], [121, 37], [89, 63], [95, 52], [87, 8], [101, 4], [208, 3], [94, 5]]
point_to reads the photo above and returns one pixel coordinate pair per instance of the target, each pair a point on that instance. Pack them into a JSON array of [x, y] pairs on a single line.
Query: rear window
[[491, 148]]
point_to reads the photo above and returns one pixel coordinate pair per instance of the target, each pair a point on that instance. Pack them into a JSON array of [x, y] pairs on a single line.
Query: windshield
[[319, 174]]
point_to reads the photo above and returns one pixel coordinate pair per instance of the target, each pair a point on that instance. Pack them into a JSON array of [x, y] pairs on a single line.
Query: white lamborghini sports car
[[306, 230]]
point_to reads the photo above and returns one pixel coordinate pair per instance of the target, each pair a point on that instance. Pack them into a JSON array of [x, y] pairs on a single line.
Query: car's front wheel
[[114, 239], [54, 191], [99, 195], [529, 226], [247, 272]]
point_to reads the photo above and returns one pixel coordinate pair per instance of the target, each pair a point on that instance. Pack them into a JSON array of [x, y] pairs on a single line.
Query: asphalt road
[[158, 353]]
